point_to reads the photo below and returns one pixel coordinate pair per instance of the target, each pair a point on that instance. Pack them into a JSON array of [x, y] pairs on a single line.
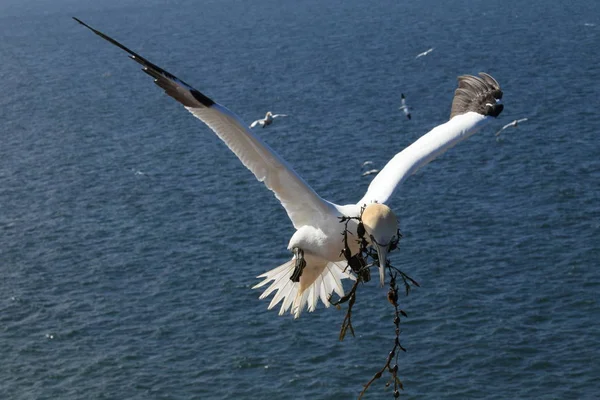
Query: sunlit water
[[131, 236]]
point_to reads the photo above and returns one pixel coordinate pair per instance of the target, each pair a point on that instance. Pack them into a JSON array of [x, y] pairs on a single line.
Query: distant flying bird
[[370, 172], [404, 107], [267, 120], [137, 172], [424, 53], [514, 123], [317, 267]]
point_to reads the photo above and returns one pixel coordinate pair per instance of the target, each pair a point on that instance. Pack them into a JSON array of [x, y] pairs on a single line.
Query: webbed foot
[[300, 264]]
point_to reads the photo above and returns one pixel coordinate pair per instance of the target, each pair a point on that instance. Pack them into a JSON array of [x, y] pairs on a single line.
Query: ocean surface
[[130, 236]]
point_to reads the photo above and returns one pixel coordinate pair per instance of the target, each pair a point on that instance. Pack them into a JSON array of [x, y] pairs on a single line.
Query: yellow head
[[381, 227]]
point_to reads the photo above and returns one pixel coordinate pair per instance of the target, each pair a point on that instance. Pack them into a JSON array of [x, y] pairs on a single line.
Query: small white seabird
[[370, 172], [403, 106], [317, 267], [424, 53], [267, 120], [513, 123]]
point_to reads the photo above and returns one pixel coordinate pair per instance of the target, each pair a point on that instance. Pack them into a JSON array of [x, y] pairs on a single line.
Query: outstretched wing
[[302, 204], [513, 123], [252, 125], [476, 102]]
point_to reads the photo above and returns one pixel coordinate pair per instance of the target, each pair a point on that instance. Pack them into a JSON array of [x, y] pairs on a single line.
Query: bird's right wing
[[302, 204], [252, 125]]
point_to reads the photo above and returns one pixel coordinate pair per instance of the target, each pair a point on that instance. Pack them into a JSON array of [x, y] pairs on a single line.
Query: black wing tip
[[83, 23], [203, 99], [170, 83], [477, 94]]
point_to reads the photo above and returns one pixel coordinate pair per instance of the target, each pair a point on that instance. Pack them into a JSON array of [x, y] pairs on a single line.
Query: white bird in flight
[[370, 171], [267, 120], [317, 266], [424, 53], [368, 162], [513, 123], [403, 106]]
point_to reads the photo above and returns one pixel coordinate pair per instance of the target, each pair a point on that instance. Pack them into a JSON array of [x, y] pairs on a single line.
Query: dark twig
[[351, 298], [360, 265], [360, 268], [393, 355]]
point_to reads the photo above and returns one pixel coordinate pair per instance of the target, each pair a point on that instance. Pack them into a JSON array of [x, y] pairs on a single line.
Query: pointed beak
[[381, 224], [382, 252]]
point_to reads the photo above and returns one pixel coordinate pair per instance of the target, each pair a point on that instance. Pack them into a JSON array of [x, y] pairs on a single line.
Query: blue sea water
[[130, 236]]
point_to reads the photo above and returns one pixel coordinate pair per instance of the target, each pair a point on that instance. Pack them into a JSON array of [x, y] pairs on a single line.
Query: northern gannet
[[404, 107], [267, 120], [513, 123], [424, 53], [317, 265]]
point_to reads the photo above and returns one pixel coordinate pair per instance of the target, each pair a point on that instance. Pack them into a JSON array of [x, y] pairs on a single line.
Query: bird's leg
[[300, 264]]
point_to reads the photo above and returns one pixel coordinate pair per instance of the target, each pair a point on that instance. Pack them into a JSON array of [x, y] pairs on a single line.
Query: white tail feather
[[319, 279]]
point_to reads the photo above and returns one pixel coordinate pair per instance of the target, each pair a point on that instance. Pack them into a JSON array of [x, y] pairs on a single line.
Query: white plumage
[[511, 124], [267, 120], [404, 107], [370, 172], [424, 53], [317, 240]]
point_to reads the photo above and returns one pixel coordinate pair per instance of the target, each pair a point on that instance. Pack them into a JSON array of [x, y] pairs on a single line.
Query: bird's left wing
[[476, 102], [302, 204]]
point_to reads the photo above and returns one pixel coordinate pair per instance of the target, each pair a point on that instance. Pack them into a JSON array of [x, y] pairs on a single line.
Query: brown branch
[[350, 298], [393, 355], [360, 265]]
